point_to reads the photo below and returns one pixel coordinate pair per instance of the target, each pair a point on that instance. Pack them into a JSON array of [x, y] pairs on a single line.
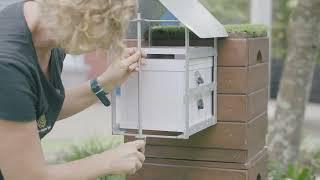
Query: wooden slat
[[225, 142], [163, 169], [243, 52], [242, 108], [242, 80], [260, 156], [224, 135]]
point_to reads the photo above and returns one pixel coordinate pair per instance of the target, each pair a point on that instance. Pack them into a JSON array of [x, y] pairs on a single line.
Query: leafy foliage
[[229, 11], [237, 12], [248, 30], [306, 169], [90, 147], [297, 172], [169, 33], [293, 172], [235, 30]]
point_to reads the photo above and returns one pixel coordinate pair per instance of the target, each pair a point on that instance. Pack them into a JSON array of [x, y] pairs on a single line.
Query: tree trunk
[[303, 40]]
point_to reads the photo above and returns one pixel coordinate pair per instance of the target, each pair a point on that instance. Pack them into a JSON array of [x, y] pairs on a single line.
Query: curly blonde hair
[[82, 26]]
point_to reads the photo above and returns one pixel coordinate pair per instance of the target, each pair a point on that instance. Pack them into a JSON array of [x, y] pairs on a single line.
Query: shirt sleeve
[[17, 100], [60, 55]]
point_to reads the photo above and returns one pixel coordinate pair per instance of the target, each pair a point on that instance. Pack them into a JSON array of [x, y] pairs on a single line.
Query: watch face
[[95, 86]]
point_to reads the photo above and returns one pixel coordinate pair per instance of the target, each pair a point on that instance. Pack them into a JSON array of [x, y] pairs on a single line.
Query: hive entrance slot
[[259, 57], [160, 56], [165, 56], [259, 177]]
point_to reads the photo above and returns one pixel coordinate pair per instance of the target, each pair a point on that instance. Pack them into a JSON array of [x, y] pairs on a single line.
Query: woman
[[33, 38]]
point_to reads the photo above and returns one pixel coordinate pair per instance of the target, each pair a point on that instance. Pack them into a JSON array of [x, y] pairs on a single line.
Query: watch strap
[[99, 92]]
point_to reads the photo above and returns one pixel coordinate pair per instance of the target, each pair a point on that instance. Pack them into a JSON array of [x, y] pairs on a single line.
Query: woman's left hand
[[122, 68]]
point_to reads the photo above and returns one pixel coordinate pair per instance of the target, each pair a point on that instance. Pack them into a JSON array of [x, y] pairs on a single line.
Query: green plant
[[90, 147], [229, 11], [298, 172], [310, 156], [169, 33], [316, 160], [247, 30], [234, 30], [275, 171], [292, 172]]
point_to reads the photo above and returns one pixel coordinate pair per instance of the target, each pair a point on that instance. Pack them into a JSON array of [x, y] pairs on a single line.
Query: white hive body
[[163, 93], [176, 90]]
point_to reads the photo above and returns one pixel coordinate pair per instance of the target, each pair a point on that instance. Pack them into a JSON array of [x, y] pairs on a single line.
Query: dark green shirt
[[25, 93]]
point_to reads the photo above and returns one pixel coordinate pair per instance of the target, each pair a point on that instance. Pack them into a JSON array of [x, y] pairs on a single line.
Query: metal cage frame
[[189, 93]]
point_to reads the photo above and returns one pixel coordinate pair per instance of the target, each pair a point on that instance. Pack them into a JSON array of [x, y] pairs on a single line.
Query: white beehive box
[[176, 90]]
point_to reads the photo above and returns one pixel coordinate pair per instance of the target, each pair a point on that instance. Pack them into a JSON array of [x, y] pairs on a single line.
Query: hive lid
[[196, 17]]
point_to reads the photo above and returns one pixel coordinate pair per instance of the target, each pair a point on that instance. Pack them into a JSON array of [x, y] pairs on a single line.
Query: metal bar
[[215, 77], [140, 136], [154, 21], [201, 90], [187, 114], [182, 136], [202, 125], [114, 109], [151, 20], [116, 129], [150, 34]]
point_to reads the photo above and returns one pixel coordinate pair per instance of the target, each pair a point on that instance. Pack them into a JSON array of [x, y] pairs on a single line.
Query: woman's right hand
[[125, 159], [120, 69]]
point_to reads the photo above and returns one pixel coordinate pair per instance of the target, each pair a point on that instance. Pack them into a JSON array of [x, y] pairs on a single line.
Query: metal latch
[[199, 81]]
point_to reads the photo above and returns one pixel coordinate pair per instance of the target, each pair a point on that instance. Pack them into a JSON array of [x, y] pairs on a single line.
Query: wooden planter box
[[225, 142], [164, 169]]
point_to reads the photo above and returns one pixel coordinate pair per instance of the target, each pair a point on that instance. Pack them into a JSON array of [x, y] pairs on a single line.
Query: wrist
[[100, 92], [105, 160], [102, 164], [106, 84]]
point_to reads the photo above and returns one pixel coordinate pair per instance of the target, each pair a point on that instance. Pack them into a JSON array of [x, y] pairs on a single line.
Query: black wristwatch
[[100, 93]]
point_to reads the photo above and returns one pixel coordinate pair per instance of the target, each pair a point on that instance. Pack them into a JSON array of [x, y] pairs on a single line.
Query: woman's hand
[[126, 159], [121, 69]]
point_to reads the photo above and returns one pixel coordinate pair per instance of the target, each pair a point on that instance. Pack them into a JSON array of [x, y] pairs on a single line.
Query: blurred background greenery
[[229, 11], [66, 151], [237, 12]]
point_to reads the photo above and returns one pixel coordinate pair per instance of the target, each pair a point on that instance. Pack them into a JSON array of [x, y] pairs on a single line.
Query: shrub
[[90, 147], [292, 172], [234, 30]]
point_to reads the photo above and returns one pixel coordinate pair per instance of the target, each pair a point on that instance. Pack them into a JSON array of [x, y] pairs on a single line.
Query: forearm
[[78, 99], [85, 169]]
